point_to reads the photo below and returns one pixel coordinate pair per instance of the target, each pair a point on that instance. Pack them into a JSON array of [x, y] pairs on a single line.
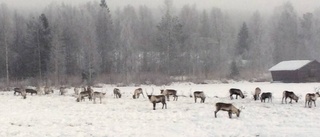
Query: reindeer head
[[317, 93]]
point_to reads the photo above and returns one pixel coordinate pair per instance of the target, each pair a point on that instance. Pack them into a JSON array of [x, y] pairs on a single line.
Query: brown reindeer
[[291, 95], [168, 92], [199, 94], [237, 92], [31, 91], [266, 95], [154, 99], [137, 93], [86, 93], [257, 92], [311, 97], [17, 90], [227, 107], [116, 93]]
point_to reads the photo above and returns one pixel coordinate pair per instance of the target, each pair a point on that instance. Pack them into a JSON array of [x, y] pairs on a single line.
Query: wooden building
[[296, 71]]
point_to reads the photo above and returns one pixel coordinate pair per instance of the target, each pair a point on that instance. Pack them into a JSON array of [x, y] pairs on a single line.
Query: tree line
[[67, 44]]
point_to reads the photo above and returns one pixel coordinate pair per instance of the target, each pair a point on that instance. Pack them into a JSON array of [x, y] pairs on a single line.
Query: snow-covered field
[[62, 116]]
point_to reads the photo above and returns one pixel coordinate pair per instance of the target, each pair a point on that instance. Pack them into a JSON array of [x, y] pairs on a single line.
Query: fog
[[267, 6]]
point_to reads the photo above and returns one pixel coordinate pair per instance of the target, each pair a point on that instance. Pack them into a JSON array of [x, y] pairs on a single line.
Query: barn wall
[[285, 76], [308, 73]]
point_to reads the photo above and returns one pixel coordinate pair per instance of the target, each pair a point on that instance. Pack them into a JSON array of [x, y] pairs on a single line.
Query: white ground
[[62, 116]]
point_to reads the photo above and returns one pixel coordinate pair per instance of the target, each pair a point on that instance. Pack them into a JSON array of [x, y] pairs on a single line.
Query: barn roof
[[290, 65]]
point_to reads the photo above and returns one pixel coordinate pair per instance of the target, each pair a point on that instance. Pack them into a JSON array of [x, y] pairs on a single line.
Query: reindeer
[[39, 90], [86, 93], [227, 107], [76, 90], [266, 95], [256, 93], [63, 90], [23, 94], [154, 99], [48, 90], [137, 93], [291, 95], [31, 91], [116, 93], [199, 94], [237, 92], [169, 92], [17, 90], [311, 97], [99, 95]]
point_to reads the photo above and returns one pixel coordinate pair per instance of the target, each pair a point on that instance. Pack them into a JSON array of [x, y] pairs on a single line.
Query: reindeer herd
[[163, 97]]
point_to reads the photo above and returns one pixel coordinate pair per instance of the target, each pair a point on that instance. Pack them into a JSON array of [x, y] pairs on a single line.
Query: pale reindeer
[[99, 95], [48, 90], [311, 97], [63, 90], [227, 107], [23, 93], [289, 94], [168, 92], [154, 99], [116, 93], [199, 94], [137, 93], [76, 90], [257, 92], [40, 90]]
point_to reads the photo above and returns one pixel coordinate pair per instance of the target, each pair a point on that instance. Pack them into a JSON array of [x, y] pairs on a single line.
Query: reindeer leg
[[314, 103], [230, 113], [215, 113], [195, 99], [154, 106], [305, 104]]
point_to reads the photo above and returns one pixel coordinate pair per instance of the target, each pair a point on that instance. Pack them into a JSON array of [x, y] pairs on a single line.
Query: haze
[[301, 6]]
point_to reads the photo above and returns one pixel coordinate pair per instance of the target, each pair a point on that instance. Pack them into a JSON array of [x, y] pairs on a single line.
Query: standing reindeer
[[154, 99], [137, 93], [99, 95], [63, 90], [256, 93], [311, 97], [23, 93], [116, 93], [199, 94], [291, 95], [168, 92], [237, 92], [227, 107], [87, 92], [48, 90]]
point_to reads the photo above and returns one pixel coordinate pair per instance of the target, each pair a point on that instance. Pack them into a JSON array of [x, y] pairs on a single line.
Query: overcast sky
[[262, 5]]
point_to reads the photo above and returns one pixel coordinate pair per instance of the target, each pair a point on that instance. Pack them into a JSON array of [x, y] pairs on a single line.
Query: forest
[[86, 44]]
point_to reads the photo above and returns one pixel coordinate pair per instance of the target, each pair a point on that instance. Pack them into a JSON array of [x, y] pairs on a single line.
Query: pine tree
[[234, 70], [243, 41]]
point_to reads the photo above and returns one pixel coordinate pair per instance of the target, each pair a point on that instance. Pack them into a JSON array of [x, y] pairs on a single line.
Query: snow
[[290, 65], [62, 116]]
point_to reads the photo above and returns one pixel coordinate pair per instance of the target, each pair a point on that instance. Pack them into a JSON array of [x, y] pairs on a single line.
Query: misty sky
[[244, 5]]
